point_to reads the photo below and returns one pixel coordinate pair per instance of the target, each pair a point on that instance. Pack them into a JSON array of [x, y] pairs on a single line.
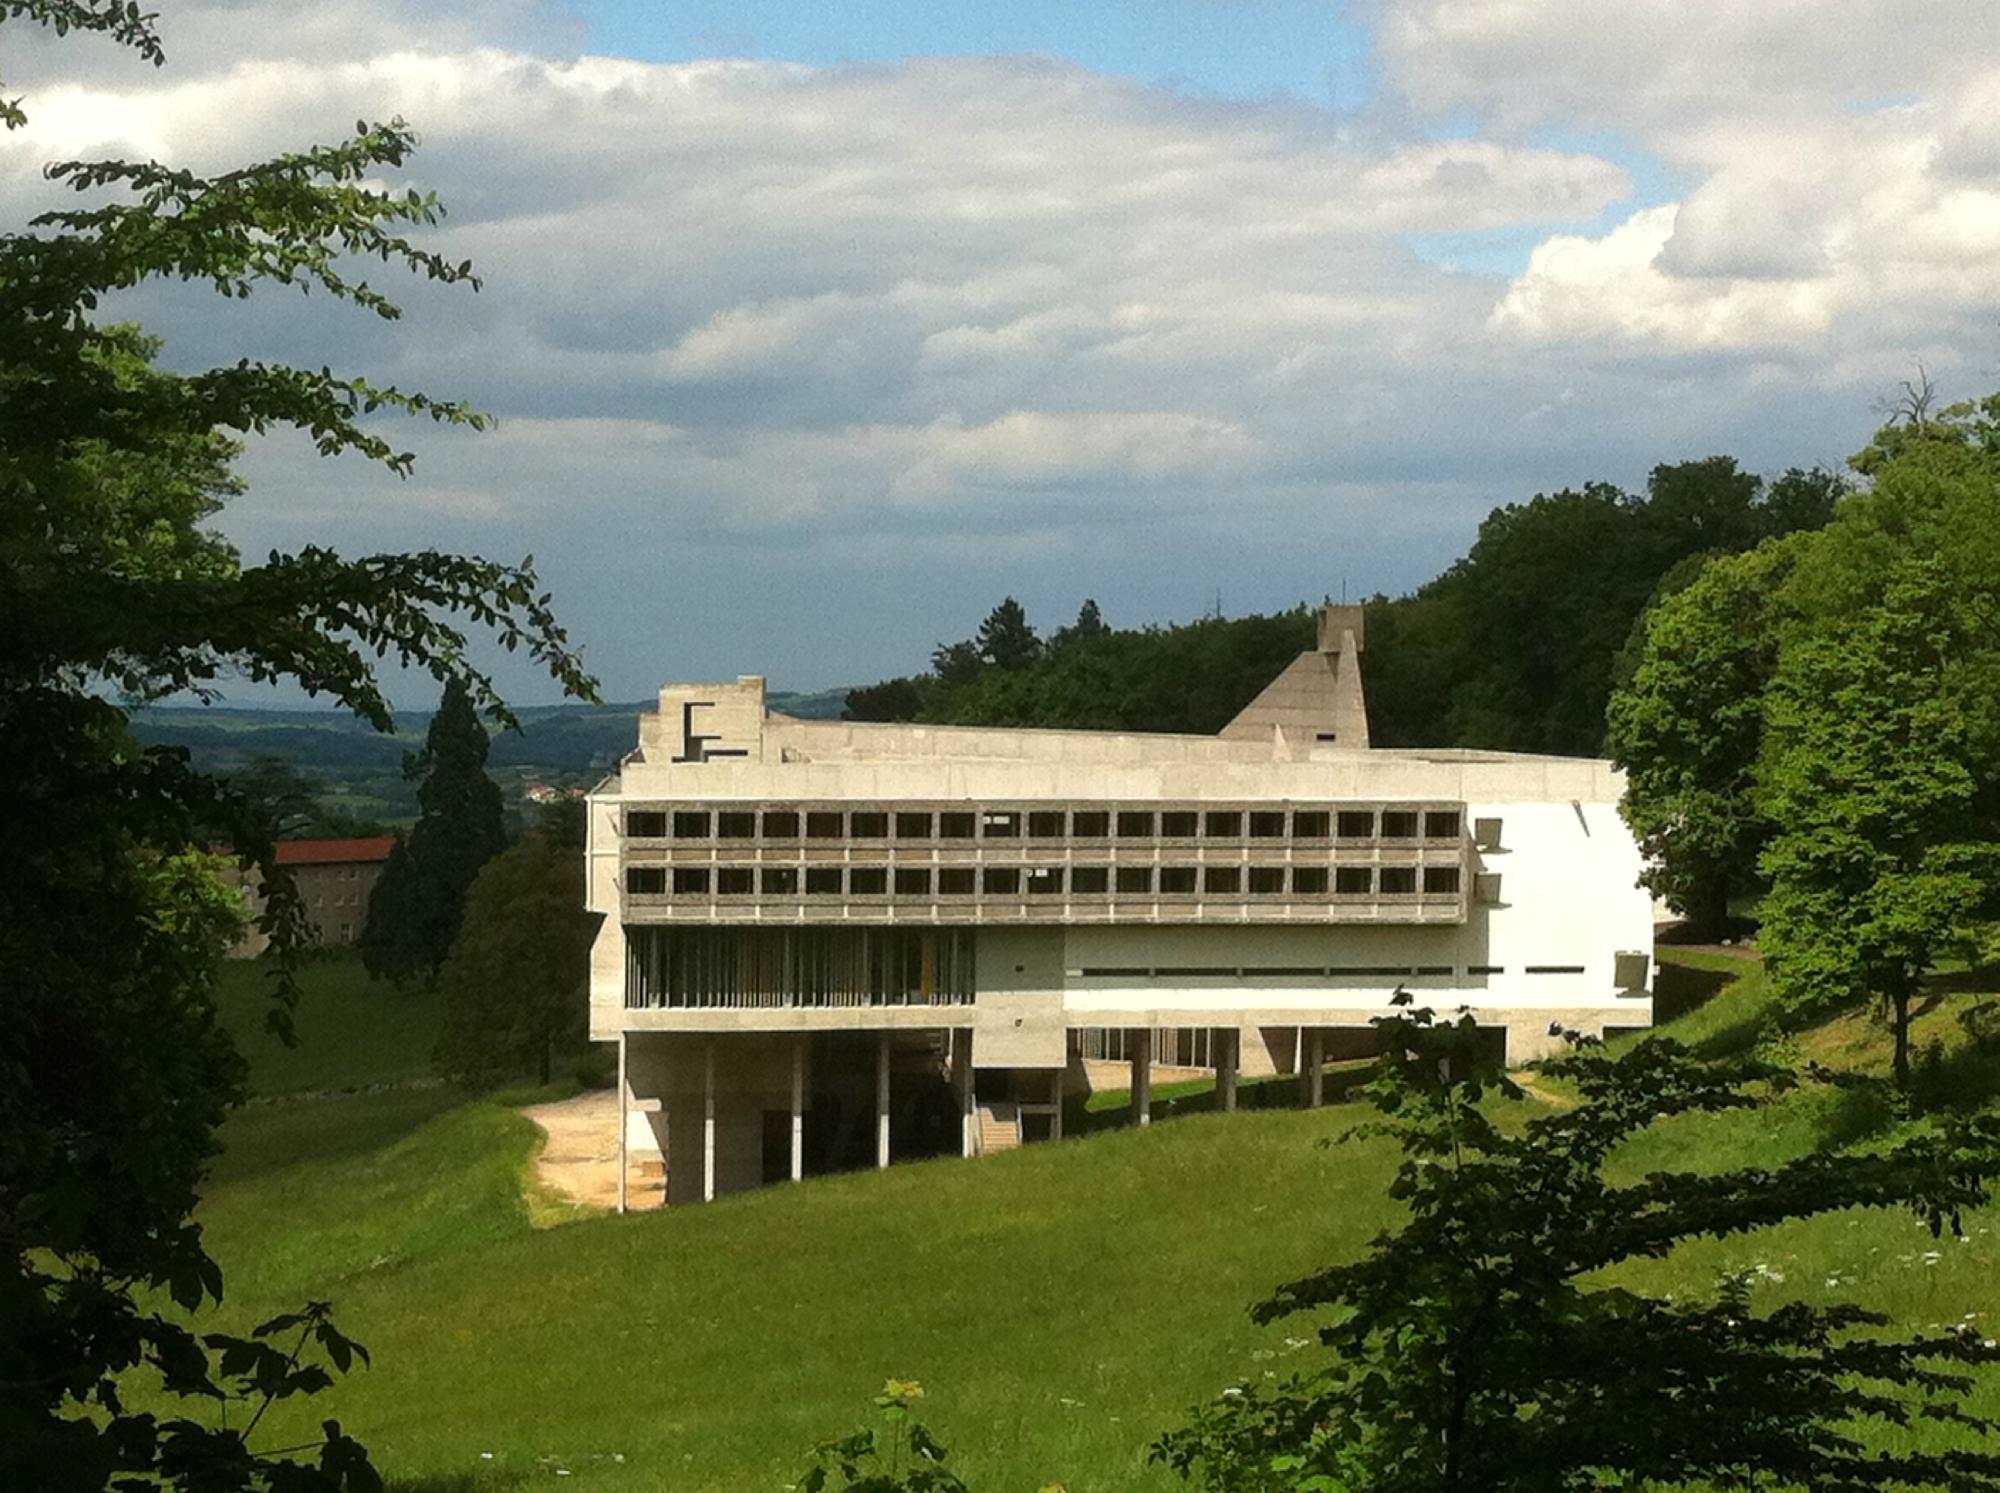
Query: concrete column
[[798, 1109], [708, 1121], [882, 1100], [624, 1120], [1142, 1076], [1227, 1061], [1315, 1066], [961, 1075], [1056, 1094]]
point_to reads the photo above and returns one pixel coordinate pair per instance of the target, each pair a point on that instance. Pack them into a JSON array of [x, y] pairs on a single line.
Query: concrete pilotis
[[1228, 1059], [624, 1119], [708, 1121], [798, 1109], [882, 1100], [1056, 1096], [1314, 1066], [1142, 1075], [961, 1077]]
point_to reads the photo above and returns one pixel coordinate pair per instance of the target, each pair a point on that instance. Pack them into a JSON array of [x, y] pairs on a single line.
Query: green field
[[1061, 1304]]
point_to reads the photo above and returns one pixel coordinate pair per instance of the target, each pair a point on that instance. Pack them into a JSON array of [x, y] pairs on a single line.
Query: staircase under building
[[999, 1127]]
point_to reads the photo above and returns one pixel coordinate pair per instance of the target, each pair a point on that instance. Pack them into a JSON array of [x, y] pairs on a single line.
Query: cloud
[[963, 326]]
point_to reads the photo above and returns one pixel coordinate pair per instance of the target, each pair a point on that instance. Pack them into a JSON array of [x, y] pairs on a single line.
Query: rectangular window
[[1369, 971], [1224, 824], [1267, 825], [1266, 881], [1555, 969], [824, 824], [955, 881], [1045, 881], [1441, 824], [913, 881], [1090, 824], [1399, 824], [1135, 880], [1046, 824], [822, 881], [735, 881], [1308, 881], [1222, 880], [1176, 881], [1486, 969], [1001, 881], [645, 824], [647, 881], [1399, 881], [1135, 824], [781, 824], [913, 826], [690, 881], [867, 825], [868, 881], [956, 826], [1090, 881], [1311, 824], [781, 881], [1354, 881], [690, 824], [1440, 880], [1433, 969], [1000, 826], [1356, 824], [1180, 824]]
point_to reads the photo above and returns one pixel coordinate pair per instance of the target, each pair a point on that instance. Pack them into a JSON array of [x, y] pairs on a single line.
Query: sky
[[813, 330]]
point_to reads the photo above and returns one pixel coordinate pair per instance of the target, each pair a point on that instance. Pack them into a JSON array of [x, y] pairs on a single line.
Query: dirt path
[[580, 1159]]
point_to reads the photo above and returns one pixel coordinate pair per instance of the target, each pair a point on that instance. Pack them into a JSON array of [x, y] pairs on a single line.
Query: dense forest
[[1515, 647]]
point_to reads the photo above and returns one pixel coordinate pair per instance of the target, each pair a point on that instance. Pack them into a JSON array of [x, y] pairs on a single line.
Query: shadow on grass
[[487, 1480]]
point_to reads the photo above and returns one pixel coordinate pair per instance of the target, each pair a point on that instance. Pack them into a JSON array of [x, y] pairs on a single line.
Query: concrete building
[[335, 879], [832, 943]]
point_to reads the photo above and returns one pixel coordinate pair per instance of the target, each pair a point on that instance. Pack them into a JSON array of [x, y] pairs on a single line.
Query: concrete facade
[[798, 909]]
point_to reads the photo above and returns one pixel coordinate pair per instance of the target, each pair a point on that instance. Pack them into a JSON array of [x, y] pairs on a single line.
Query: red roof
[[334, 852]]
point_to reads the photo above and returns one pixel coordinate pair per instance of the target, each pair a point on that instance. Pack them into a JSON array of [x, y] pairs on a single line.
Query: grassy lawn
[[352, 1030], [1062, 1304]]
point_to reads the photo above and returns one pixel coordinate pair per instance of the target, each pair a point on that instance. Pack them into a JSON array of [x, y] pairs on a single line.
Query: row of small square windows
[[1082, 824], [1082, 881]]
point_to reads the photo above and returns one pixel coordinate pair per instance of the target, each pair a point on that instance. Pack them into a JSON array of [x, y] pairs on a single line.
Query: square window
[[1045, 881], [1090, 824], [782, 824], [1399, 881], [1090, 881], [956, 826], [867, 825], [1356, 824], [690, 881], [1224, 824], [1267, 881], [1046, 824], [1001, 881], [822, 881], [1227, 880], [781, 881], [1441, 880], [1267, 824], [1353, 881], [690, 825], [645, 824], [1399, 824], [735, 881], [913, 881], [824, 824], [1441, 825], [1135, 824], [868, 881], [1309, 881], [647, 881], [736, 825], [1135, 879], [1311, 824], [913, 826], [1000, 826], [955, 881], [1176, 880], [1179, 824]]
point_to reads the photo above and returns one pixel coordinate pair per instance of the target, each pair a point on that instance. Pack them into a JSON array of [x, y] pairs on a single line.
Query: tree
[[113, 1070], [1089, 624], [892, 700], [1479, 1348], [1005, 640], [1687, 727], [957, 664], [291, 802], [416, 909]]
